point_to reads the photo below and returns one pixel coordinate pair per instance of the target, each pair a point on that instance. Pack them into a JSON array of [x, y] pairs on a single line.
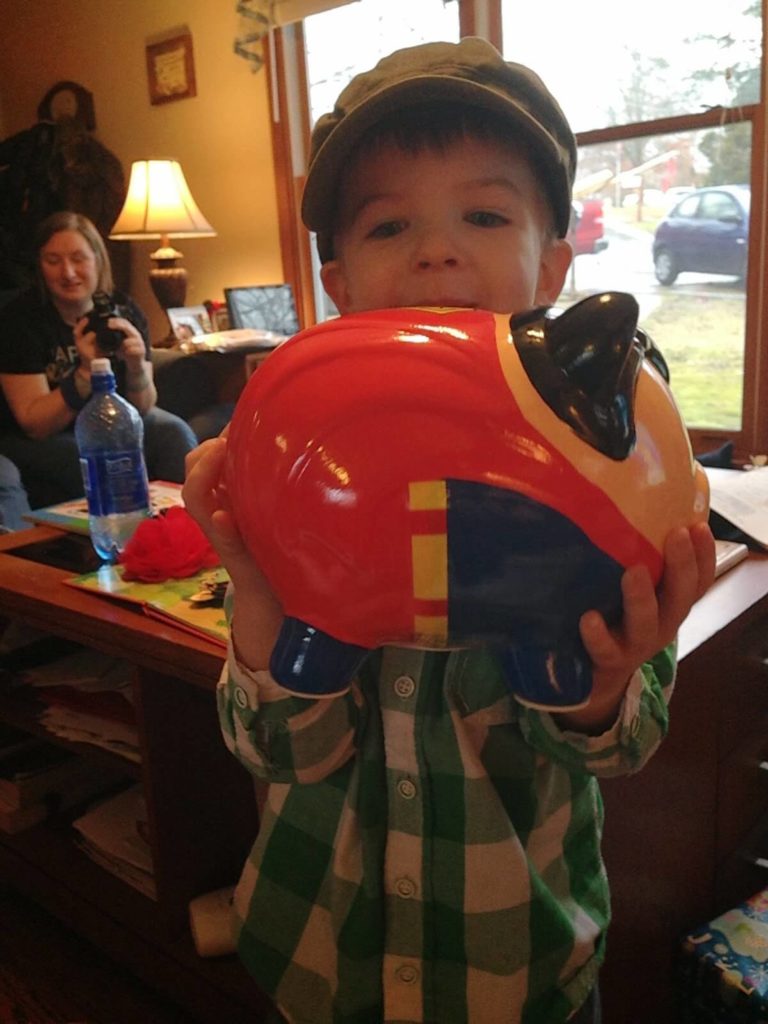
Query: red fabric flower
[[168, 546]]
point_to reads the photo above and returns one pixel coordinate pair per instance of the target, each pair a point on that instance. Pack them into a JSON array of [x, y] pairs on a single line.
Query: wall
[[221, 136]]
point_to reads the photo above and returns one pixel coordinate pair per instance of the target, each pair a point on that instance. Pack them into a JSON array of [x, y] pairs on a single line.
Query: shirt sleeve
[[641, 724], [282, 737]]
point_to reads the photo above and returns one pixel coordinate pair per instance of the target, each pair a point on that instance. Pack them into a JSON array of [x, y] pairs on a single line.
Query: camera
[[108, 340]]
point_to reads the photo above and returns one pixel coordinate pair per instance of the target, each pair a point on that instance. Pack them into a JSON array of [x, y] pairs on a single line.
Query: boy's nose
[[444, 261], [435, 249]]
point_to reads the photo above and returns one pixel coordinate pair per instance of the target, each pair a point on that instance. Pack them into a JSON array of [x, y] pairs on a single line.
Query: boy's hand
[[206, 501], [650, 621], [257, 609]]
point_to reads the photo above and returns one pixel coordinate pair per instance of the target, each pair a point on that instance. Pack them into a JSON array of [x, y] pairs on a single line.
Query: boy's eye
[[387, 229], [486, 219]]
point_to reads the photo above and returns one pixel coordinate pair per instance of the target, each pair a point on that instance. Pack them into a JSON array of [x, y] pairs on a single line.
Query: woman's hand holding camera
[[104, 333]]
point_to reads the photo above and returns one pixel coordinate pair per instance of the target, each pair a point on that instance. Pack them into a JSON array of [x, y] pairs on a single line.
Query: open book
[[180, 602]]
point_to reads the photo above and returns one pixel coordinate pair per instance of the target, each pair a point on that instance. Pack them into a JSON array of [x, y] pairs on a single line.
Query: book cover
[[13, 740], [16, 819], [93, 782], [727, 554], [73, 515], [45, 771], [193, 604], [42, 758]]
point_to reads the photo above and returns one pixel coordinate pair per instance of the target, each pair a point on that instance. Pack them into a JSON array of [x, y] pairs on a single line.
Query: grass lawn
[[703, 342], [702, 338]]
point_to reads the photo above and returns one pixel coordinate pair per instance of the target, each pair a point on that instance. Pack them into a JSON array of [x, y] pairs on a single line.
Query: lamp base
[[169, 284]]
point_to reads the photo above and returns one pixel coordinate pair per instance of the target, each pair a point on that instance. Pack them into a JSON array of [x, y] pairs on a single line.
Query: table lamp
[[160, 205]]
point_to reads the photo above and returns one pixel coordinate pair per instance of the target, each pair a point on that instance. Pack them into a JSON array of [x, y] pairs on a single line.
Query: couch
[[202, 388]]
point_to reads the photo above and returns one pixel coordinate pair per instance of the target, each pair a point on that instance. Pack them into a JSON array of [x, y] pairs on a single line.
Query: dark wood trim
[[294, 238], [470, 24], [715, 117]]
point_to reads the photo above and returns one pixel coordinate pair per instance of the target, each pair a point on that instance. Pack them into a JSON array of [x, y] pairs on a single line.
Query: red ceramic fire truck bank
[[446, 478]]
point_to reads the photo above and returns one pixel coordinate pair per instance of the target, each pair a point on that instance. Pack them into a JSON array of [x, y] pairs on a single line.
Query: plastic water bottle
[[110, 439]]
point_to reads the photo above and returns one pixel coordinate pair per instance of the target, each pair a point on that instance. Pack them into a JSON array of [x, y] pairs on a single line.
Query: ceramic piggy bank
[[446, 478]]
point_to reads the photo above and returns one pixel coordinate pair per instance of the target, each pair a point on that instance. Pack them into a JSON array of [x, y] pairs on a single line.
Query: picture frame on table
[[189, 322], [171, 69]]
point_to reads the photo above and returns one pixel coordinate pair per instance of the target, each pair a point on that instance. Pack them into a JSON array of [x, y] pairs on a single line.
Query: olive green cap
[[471, 72]]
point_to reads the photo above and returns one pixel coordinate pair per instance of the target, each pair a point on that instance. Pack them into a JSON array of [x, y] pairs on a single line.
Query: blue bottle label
[[114, 482]]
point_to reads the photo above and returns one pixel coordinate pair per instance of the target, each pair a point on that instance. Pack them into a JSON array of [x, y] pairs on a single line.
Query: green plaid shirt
[[430, 849]]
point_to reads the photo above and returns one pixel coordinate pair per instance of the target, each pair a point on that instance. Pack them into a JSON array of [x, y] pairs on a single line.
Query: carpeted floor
[[48, 975]]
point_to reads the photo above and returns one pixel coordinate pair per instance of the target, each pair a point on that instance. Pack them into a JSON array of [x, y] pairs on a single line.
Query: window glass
[[611, 65], [350, 39], [667, 219]]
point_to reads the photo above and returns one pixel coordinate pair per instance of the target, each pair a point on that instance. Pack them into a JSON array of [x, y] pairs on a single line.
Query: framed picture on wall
[[171, 70], [189, 322]]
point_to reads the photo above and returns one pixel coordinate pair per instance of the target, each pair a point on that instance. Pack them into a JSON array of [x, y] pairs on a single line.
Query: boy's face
[[462, 227]]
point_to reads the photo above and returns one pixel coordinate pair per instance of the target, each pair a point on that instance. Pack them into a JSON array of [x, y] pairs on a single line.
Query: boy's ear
[[555, 260], [334, 281]]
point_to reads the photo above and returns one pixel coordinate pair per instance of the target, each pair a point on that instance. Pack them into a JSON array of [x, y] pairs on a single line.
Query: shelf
[[201, 809]]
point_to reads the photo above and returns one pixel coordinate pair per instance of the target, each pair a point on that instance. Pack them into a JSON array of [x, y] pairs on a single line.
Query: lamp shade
[[159, 204]]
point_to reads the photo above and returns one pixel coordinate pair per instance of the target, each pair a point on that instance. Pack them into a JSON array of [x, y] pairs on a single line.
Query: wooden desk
[[679, 834], [201, 809]]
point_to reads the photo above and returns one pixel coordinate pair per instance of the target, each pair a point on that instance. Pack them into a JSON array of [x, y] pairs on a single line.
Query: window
[[666, 102], [619, 64], [682, 252], [378, 30]]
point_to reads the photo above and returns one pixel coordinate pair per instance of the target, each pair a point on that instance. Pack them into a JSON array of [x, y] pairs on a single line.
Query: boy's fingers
[[704, 549], [597, 638], [202, 473], [680, 584], [640, 623]]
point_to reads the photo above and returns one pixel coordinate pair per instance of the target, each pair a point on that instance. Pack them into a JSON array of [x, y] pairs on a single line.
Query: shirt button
[[407, 973], [406, 789], [405, 887], [404, 687], [241, 697]]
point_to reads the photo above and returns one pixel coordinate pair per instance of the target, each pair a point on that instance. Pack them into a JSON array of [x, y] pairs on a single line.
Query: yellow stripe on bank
[[430, 566], [430, 627], [427, 495]]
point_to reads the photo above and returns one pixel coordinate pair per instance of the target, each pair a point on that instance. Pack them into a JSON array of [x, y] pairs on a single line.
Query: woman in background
[[46, 348]]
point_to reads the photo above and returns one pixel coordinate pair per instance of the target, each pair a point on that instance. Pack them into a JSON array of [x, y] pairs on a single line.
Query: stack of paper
[[87, 698], [741, 498], [245, 339], [114, 835]]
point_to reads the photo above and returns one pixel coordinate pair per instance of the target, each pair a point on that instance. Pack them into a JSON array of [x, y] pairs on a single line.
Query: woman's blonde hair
[[66, 220]]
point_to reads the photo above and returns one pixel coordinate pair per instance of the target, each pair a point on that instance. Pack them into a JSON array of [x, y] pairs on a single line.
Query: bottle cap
[[101, 366]]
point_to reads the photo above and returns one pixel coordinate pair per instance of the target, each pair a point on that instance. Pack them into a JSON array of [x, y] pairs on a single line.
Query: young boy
[[430, 848]]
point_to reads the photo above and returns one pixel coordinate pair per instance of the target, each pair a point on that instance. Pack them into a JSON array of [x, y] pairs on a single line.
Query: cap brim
[[318, 200]]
